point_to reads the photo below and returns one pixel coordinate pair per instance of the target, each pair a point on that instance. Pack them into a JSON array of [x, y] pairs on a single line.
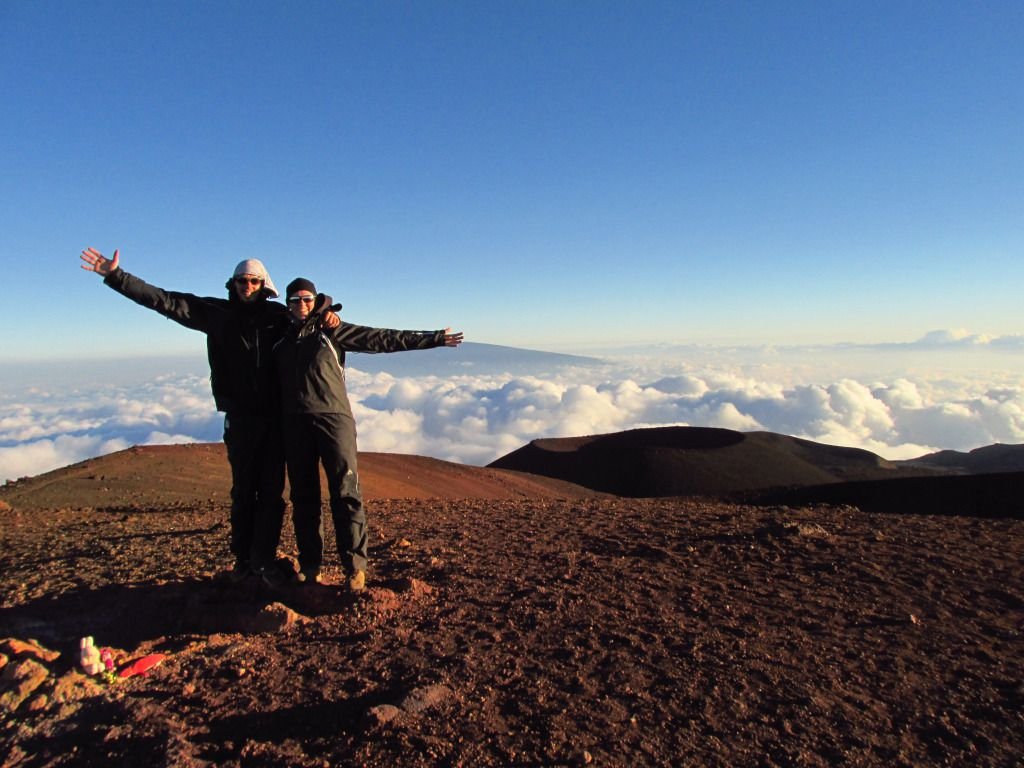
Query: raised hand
[[452, 339], [329, 320], [94, 261]]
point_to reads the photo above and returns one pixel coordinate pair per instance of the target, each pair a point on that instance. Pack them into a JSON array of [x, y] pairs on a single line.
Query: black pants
[[312, 438], [256, 455]]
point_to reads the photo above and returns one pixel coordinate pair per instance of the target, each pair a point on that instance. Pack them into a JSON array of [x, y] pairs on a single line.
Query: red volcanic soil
[[164, 474], [521, 623]]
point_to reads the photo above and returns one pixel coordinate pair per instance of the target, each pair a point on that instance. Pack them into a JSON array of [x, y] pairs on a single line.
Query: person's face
[[248, 287], [300, 304]]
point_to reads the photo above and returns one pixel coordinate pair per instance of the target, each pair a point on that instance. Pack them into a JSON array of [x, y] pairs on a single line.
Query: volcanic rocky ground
[[517, 618]]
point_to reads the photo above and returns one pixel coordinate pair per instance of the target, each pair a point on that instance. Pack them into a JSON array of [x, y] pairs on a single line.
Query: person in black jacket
[[319, 426], [240, 333]]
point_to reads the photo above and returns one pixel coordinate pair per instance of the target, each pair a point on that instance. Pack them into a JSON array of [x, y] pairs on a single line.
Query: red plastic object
[[143, 665]]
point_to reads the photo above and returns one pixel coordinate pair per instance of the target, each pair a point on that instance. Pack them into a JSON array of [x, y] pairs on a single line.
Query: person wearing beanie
[[240, 331], [319, 427], [300, 284]]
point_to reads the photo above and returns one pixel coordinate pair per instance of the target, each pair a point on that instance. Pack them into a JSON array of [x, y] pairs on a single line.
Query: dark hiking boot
[[278, 575], [357, 581], [240, 572], [275, 579]]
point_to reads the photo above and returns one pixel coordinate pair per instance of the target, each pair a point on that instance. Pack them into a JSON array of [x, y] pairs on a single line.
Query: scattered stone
[[3, 660], [275, 617], [812, 530], [20, 679], [383, 600], [382, 714], [74, 686], [805, 530], [422, 699], [417, 701], [415, 586], [11, 646], [4, 506]]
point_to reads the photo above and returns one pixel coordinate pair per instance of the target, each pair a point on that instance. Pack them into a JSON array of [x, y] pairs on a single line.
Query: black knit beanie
[[299, 284]]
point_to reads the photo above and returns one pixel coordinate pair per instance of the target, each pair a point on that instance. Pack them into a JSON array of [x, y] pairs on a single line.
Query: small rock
[[424, 698], [275, 617], [382, 714], [779, 529], [17, 754], [811, 530], [383, 600], [20, 680], [415, 586], [14, 647], [73, 686]]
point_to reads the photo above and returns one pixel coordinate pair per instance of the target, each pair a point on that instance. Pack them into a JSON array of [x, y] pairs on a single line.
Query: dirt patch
[[525, 631]]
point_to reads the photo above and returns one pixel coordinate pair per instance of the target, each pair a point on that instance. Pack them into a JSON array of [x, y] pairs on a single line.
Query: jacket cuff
[[115, 278]]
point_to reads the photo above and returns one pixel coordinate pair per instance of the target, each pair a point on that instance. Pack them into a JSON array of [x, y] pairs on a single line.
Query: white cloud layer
[[475, 418], [45, 428]]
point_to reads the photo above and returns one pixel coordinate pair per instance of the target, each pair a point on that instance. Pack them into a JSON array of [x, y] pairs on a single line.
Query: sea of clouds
[[900, 401]]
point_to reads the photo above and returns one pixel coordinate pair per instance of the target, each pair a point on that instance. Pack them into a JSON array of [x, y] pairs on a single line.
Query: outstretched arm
[[361, 338], [184, 308], [94, 261]]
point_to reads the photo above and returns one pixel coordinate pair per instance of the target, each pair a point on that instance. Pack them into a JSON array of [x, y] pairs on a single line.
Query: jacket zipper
[[335, 356]]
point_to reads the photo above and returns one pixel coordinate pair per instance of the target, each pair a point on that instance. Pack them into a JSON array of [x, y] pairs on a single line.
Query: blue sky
[[554, 175]]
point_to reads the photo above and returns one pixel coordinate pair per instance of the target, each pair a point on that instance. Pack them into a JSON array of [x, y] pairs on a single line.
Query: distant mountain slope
[[677, 461], [164, 475], [990, 458], [754, 467], [470, 358]]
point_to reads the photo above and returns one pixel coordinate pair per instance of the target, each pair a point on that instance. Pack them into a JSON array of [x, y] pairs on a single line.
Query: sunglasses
[[249, 280], [303, 299]]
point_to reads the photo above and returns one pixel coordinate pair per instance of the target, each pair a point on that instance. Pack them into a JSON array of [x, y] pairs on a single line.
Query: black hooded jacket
[[310, 360], [239, 339]]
